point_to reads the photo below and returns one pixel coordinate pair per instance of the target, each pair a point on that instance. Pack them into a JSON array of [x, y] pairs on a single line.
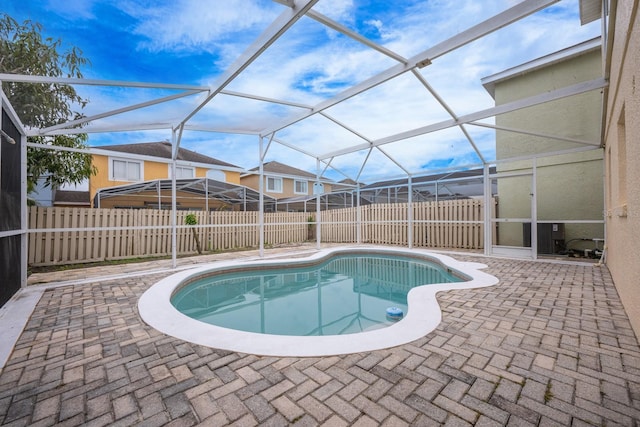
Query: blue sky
[[193, 42]]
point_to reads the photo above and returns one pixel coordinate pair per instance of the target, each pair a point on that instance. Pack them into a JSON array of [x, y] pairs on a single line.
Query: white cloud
[[193, 25], [338, 10], [72, 9]]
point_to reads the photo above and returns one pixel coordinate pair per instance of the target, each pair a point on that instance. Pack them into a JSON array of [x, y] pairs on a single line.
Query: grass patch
[[548, 394]]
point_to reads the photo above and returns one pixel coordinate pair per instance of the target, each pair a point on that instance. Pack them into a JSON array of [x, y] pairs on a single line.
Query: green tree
[[39, 105]]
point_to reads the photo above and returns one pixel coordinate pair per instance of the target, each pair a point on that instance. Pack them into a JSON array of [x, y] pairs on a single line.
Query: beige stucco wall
[[569, 187], [622, 160], [252, 181]]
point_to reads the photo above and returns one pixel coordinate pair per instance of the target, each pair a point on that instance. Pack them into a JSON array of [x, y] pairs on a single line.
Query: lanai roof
[[400, 111], [202, 187]]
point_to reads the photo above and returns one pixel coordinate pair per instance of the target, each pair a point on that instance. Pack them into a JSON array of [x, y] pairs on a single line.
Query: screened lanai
[[378, 94], [198, 194]]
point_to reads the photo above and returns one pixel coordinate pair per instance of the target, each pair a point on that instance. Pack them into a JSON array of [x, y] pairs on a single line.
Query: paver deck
[[550, 345]]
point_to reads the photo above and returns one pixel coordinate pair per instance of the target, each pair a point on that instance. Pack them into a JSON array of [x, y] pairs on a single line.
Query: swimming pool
[[422, 315], [345, 294]]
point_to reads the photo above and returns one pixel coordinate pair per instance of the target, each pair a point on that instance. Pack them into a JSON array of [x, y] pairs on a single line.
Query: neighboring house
[[569, 187], [132, 166], [346, 184], [48, 196], [282, 181]]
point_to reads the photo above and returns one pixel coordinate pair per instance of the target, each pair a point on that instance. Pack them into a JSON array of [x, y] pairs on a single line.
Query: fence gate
[[12, 209]]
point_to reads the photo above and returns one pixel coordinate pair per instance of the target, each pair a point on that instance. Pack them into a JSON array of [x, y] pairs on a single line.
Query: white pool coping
[[423, 316]]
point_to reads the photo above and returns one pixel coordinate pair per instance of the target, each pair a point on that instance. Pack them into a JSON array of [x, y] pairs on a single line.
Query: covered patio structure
[[191, 194]]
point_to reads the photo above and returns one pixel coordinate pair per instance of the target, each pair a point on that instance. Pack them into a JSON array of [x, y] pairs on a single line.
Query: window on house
[[274, 185], [301, 187], [183, 172], [125, 170]]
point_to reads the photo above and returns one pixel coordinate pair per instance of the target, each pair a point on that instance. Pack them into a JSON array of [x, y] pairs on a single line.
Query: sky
[[190, 42]]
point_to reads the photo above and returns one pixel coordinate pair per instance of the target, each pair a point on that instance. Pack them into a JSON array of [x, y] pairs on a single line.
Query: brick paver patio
[[549, 345]]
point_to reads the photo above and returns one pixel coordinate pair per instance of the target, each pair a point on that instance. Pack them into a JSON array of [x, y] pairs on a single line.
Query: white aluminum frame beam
[[6, 106], [113, 153], [128, 127], [277, 28], [150, 103], [24, 78], [463, 38], [576, 89], [538, 134], [448, 109]]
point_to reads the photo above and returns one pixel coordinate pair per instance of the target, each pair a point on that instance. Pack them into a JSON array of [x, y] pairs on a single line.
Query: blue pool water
[[345, 294]]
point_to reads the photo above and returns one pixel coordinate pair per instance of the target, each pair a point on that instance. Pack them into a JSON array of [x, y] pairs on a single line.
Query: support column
[[318, 196], [410, 212], [358, 216], [261, 197], [24, 236], [174, 205]]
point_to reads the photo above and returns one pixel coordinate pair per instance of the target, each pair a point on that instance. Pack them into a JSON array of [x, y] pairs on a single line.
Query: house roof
[[282, 169], [162, 149], [345, 185], [65, 197]]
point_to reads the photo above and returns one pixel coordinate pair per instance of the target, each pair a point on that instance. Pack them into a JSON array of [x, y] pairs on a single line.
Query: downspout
[[488, 227], [534, 210]]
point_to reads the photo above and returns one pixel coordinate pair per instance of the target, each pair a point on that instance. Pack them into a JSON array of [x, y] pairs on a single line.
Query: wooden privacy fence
[[108, 234], [452, 224]]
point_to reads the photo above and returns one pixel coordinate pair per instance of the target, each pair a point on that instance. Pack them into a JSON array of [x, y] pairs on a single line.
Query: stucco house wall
[[622, 158], [152, 170], [288, 174], [569, 187]]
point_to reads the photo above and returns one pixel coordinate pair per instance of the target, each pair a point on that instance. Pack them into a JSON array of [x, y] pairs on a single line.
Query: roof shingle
[[162, 149], [281, 168]]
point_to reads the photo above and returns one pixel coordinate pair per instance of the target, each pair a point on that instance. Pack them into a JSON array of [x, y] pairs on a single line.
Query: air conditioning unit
[[550, 237]]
